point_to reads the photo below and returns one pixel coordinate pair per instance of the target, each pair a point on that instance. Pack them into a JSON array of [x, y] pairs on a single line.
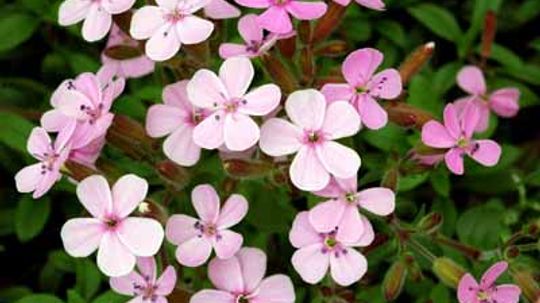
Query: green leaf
[[15, 131], [110, 297], [74, 297], [505, 57], [440, 181], [40, 298], [439, 20], [14, 293], [388, 138], [482, 226], [88, 278], [393, 31], [62, 261], [7, 221], [31, 216], [16, 29], [410, 182]]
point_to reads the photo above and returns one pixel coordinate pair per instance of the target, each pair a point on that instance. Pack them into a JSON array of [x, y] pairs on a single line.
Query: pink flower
[[96, 15], [118, 238], [310, 135], [240, 279], [82, 105], [169, 25], [363, 88], [221, 9], [145, 285], [197, 237], [469, 291], [40, 177], [342, 210], [504, 102], [456, 136], [230, 123], [276, 18], [176, 119], [129, 68], [319, 251], [373, 4], [256, 43], [88, 154]]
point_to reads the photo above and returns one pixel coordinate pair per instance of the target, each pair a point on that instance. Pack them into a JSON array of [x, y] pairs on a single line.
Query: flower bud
[[305, 32], [529, 287], [130, 136], [413, 268], [307, 64], [173, 174], [279, 73], [287, 47], [406, 115], [391, 179], [151, 209], [329, 22], [123, 20], [394, 280], [430, 223], [78, 171], [123, 52], [332, 49], [239, 168], [448, 271], [414, 62], [488, 36]]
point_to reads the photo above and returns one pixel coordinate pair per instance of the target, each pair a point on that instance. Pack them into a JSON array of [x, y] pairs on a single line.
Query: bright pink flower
[[176, 118], [456, 136], [118, 238], [469, 291], [373, 4], [169, 25], [256, 43], [129, 68], [97, 15], [144, 284], [40, 177], [311, 136], [225, 95], [83, 105], [276, 18], [319, 251], [504, 102], [221, 9], [363, 88], [240, 279], [197, 237], [342, 210]]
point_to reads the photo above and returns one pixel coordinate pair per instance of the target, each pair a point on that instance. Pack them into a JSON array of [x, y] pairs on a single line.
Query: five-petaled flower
[[118, 238], [311, 136], [319, 251], [373, 4], [225, 95], [364, 87], [97, 15], [240, 279], [169, 25], [456, 136], [145, 285], [470, 291], [197, 237], [176, 118], [504, 101], [342, 209]]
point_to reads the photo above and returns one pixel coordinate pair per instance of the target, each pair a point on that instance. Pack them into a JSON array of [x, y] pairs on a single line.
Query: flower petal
[[341, 120], [206, 90], [117, 6], [206, 202], [214, 296], [229, 50], [166, 282], [505, 102], [306, 108], [326, 216], [221, 9], [226, 274], [338, 92], [114, 259], [145, 22], [311, 263], [163, 119], [261, 100], [253, 265], [371, 112], [95, 195], [467, 289], [276, 20], [147, 267], [240, 132], [249, 28], [180, 148], [486, 152], [233, 211], [434, 134], [127, 193], [339, 160], [378, 200], [275, 289], [507, 293], [367, 236], [307, 10], [386, 84], [302, 232], [492, 274], [163, 44], [192, 29], [28, 178], [194, 252], [142, 236], [454, 160], [73, 11], [210, 133], [82, 236], [307, 172], [471, 79], [125, 285], [360, 65], [279, 137], [373, 4], [348, 267], [228, 244], [451, 115], [181, 228], [97, 23], [351, 227], [255, 3], [236, 74]]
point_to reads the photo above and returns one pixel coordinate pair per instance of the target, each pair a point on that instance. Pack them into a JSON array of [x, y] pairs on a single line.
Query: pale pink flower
[[364, 87], [456, 136], [240, 279], [503, 102], [317, 252], [88, 154], [311, 136], [221, 9], [40, 177], [197, 237], [276, 17], [256, 42], [97, 15], [373, 4], [145, 285], [176, 118], [169, 25], [341, 213], [469, 291], [83, 105], [225, 95], [129, 68], [426, 159], [118, 238]]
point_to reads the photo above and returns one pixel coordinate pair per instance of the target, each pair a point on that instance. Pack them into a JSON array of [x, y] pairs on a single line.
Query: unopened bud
[[529, 287], [151, 209], [332, 49], [173, 174], [488, 36], [123, 20], [413, 268], [448, 271], [279, 73], [414, 62], [287, 47], [78, 171], [430, 223], [328, 22], [122, 52], [511, 252], [130, 136], [394, 280], [391, 179], [239, 168], [406, 115], [307, 64], [305, 32]]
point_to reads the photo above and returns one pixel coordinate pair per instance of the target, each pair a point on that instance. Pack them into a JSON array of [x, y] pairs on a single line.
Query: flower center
[[242, 299], [174, 16], [331, 244], [350, 197], [208, 230], [463, 142], [483, 296], [281, 2], [111, 223], [197, 117], [47, 162], [92, 113], [313, 137], [253, 46]]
